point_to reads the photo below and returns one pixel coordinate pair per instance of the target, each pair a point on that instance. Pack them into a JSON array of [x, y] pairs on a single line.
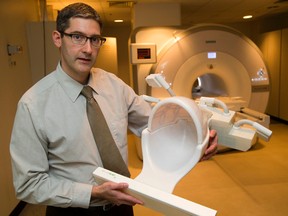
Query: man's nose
[[88, 46]]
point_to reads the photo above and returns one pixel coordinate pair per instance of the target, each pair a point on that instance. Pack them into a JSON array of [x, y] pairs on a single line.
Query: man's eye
[[78, 37], [95, 39]]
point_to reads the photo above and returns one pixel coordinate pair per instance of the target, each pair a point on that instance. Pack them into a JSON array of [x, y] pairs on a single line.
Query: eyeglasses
[[79, 39]]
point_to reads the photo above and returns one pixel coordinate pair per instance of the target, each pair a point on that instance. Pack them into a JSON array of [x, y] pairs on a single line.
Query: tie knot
[[87, 92]]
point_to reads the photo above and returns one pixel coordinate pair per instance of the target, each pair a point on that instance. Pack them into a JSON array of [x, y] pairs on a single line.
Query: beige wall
[[275, 50], [15, 78], [122, 34]]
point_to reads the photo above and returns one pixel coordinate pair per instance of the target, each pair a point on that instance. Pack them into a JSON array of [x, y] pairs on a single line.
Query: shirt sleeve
[[138, 113], [30, 166]]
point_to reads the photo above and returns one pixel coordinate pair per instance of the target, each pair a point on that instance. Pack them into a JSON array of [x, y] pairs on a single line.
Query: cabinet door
[[283, 111], [270, 44]]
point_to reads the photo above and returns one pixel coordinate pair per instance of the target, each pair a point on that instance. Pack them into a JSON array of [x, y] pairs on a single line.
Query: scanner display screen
[[211, 55]]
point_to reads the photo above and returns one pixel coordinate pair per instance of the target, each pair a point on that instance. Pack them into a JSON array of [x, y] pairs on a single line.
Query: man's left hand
[[212, 146]]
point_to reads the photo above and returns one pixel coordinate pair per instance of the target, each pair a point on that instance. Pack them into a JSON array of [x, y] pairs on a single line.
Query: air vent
[[121, 4], [210, 41], [280, 1]]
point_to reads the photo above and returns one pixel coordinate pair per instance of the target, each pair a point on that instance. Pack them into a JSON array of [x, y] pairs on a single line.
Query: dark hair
[[76, 10]]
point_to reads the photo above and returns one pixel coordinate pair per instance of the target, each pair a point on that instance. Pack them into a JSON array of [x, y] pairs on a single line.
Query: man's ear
[[56, 36]]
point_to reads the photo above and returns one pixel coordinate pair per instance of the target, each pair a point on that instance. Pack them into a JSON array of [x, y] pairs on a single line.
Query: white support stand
[[161, 201]]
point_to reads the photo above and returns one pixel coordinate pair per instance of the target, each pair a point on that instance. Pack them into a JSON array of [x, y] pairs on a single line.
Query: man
[[52, 147]]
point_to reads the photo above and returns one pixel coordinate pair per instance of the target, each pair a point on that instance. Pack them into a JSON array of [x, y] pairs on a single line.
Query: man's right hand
[[114, 193]]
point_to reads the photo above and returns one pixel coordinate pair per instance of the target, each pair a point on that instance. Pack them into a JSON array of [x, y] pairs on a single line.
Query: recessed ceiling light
[[118, 21], [247, 17]]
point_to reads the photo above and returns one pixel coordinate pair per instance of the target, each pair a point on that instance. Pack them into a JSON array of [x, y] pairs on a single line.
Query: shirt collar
[[71, 87], [96, 80]]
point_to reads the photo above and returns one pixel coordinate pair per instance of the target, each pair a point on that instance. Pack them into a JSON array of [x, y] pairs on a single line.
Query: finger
[[131, 200], [213, 142], [213, 133], [123, 195], [212, 148], [121, 186]]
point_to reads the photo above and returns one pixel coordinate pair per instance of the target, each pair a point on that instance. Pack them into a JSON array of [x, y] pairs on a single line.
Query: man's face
[[77, 60]]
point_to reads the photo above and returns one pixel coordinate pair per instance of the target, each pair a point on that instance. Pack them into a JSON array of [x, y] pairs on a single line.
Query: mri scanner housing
[[204, 60]]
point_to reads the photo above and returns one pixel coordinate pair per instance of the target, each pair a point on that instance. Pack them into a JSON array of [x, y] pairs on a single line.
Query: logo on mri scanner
[[260, 77]]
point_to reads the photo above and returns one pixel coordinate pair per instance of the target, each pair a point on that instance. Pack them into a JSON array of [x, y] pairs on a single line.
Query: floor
[[233, 183]]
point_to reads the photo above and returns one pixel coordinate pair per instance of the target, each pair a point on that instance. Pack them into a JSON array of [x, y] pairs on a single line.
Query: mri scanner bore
[[208, 60]]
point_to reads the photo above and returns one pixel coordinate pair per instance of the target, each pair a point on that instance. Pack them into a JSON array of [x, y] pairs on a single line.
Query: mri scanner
[[206, 60]]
